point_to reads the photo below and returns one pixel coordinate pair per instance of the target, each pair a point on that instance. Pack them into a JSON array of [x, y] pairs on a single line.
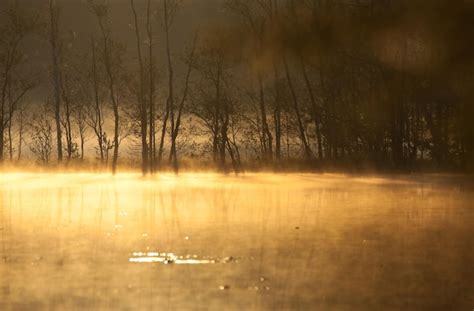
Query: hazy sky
[[75, 17]]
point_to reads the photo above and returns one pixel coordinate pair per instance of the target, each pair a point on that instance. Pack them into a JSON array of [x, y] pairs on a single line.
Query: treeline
[[382, 84]]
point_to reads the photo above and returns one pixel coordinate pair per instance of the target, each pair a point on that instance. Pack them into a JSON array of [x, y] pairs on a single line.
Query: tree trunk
[[302, 134], [151, 92], [141, 99], [67, 121], [56, 76], [314, 109], [10, 140], [113, 99], [266, 135], [175, 132], [170, 99], [98, 113], [277, 115]]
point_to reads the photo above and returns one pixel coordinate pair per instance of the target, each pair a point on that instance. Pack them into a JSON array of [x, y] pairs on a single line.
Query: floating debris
[[224, 287], [168, 261], [262, 279]]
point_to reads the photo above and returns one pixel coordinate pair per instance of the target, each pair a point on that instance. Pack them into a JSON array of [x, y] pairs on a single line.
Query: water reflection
[[317, 241]]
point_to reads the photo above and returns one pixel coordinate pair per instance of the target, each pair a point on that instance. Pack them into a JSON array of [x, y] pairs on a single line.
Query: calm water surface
[[255, 242]]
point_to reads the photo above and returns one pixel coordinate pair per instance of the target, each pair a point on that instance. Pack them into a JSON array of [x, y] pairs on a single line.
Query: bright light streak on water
[[170, 258]]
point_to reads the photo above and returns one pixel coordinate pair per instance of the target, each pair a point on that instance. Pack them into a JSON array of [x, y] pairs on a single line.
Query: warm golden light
[[290, 236]]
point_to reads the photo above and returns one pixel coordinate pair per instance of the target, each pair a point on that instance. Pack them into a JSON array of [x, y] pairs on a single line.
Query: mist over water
[[100, 100], [254, 242]]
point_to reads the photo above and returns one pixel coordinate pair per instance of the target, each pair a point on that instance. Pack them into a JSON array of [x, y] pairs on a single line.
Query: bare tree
[[151, 90], [176, 124], [142, 106], [14, 86], [216, 105], [55, 42], [41, 144], [111, 60], [254, 14], [170, 8], [94, 111], [21, 119]]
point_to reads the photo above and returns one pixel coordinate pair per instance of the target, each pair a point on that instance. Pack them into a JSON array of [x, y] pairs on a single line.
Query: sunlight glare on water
[[168, 258]]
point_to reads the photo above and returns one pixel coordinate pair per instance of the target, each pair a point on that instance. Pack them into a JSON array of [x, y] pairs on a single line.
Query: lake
[[254, 242]]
